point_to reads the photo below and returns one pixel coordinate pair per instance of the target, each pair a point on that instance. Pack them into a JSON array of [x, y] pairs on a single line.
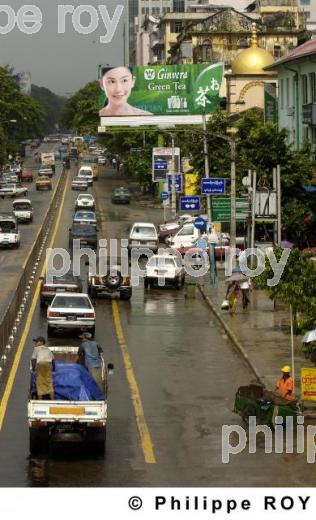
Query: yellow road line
[[146, 442], [27, 326], [145, 437]]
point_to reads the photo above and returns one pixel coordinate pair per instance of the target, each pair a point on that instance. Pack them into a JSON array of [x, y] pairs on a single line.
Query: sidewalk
[[263, 332]]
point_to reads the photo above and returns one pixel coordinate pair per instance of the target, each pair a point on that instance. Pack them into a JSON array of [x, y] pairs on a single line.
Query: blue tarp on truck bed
[[72, 382]]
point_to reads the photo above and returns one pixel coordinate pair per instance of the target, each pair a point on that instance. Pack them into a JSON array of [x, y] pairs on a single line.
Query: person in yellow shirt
[[285, 384]]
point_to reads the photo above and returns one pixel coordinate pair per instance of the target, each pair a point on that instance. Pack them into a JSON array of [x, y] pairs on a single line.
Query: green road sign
[[221, 209]]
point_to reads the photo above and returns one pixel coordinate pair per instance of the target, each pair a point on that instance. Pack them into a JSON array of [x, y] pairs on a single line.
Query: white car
[[143, 234], [9, 231], [101, 159], [79, 184], [69, 311], [187, 235], [13, 190], [86, 173], [22, 210], [85, 217], [85, 201], [164, 269]]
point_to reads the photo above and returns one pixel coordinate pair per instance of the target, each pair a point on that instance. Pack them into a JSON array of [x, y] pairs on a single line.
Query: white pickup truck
[[68, 421], [13, 190]]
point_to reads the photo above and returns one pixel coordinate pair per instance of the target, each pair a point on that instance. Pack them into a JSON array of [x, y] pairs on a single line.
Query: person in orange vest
[[285, 384]]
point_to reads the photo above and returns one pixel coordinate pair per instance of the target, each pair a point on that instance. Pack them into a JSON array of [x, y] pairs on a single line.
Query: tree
[[52, 104], [81, 111], [21, 117], [297, 286]]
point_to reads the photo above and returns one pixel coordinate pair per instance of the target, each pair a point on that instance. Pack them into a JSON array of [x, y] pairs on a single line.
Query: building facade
[[309, 8], [297, 94]]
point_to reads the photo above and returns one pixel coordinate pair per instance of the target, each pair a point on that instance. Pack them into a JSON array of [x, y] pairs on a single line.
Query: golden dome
[[253, 60]]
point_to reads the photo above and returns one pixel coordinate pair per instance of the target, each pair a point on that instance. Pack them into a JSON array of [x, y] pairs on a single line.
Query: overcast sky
[[61, 62]]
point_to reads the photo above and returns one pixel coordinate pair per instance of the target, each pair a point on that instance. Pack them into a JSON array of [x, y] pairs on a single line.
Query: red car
[[25, 176]]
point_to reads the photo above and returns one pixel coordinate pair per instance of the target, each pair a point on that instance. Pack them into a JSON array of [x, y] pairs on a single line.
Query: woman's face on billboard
[[117, 84]]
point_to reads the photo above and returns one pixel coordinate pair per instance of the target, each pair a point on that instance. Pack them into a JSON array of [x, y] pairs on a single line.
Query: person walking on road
[[244, 287], [90, 350], [43, 364], [285, 384]]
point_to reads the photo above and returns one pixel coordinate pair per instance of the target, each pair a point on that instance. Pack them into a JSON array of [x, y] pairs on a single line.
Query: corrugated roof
[[306, 49]]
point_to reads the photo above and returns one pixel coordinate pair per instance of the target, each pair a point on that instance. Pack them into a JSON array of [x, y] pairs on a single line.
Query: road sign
[[178, 183], [200, 223], [213, 186], [164, 195], [190, 203], [221, 209], [161, 164], [201, 243]]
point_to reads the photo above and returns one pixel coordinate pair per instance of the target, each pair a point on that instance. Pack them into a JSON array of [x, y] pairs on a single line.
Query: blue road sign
[[164, 195], [161, 165], [178, 183], [190, 204], [200, 223], [213, 186], [201, 243]]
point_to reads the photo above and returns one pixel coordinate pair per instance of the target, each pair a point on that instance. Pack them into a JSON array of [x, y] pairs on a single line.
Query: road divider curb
[[232, 336]]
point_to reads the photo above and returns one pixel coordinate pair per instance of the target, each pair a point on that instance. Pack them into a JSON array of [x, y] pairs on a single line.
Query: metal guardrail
[[8, 322]]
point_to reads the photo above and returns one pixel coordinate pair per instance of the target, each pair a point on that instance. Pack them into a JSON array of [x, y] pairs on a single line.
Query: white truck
[[9, 231], [48, 160], [68, 421]]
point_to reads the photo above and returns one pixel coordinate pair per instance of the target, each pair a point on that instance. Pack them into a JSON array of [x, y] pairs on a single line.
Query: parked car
[[80, 184], [164, 269], [70, 311], [26, 176], [143, 234], [13, 190], [22, 210], [171, 227], [85, 217], [43, 183], [86, 172], [10, 178], [85, 201], [101, 160], [186, 235], [121, 196], [111, 285], [60, 284], [9, 231], [86, 233]]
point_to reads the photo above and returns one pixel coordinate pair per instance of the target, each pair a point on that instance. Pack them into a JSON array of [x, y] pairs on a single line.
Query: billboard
[[308, 384], [162, 163], [153, 94]]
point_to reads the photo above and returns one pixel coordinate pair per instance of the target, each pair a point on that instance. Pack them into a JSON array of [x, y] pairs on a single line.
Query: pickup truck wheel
[[125, 295], [146, 283], [92, 331], [178, 283], [91, 291]]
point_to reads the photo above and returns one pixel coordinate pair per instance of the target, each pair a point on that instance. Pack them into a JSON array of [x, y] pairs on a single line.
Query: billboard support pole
[[173, 178], [278, 175], [207, 173]]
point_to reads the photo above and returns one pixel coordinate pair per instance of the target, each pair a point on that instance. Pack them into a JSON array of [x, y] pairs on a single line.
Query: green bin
[[190, 287]]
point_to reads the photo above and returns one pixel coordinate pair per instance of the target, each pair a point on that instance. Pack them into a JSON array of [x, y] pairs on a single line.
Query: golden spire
[[254, 38]]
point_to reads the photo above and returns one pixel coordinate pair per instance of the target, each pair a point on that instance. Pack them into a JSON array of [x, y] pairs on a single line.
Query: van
[[143, 234], [9, 231], [22, 210], [86, 172]]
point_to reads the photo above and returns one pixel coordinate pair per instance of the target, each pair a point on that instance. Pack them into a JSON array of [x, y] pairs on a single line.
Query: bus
[[88, 159]]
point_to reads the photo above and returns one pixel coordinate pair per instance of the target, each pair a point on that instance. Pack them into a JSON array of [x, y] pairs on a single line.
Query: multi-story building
[[309, 9], [297, 94], [225, 32]]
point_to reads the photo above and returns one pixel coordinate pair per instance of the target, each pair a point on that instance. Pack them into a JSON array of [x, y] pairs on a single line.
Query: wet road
[[11, 260], [186, 373]]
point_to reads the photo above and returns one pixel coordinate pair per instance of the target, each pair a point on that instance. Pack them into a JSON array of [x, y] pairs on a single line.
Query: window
[[178, 6], [155, 11], [304, 89], [189, 230], [312, 89], [277, 51], [287, 92], [282, 94], [305, 2], [176, 26]]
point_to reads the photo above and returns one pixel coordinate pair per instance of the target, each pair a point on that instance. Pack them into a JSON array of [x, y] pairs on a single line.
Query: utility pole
[[278, 175], [233, 194]]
